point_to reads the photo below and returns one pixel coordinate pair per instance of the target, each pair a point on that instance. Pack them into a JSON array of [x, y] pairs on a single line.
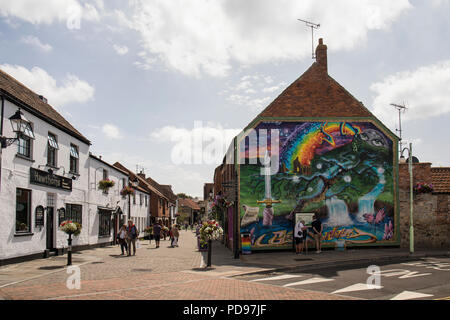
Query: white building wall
[[97, 198], [15, 173], [140, 213]]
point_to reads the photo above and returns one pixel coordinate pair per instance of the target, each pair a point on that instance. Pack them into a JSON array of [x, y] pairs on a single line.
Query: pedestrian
[[132, 235], [175, 235], [298, 236], [150, 235], [157, 233], [122, 237], [317, 229]]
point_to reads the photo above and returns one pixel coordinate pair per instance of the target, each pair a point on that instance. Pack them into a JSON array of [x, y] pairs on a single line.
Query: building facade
[[106, 208], [43, 176], [316, 150]]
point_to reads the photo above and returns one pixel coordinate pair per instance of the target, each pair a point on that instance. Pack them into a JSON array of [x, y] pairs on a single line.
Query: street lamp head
[[19, 122], [402, 159]]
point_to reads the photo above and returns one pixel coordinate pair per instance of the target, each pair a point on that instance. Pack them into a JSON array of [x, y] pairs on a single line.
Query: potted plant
[[105, 184], [70, 228], [209, 231]]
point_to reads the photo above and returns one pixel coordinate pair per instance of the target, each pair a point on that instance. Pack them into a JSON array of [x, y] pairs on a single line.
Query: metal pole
[[411, 203], [69, 251]]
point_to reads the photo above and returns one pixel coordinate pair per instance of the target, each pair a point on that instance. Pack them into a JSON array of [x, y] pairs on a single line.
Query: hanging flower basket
[[423, 187], [210, 231], [127, 191], [105, 184], [70, 227]]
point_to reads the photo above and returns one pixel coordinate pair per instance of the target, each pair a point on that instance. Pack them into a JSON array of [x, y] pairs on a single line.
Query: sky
[[164, 86]]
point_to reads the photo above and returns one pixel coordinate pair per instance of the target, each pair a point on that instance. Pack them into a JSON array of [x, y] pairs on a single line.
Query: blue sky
[[136, 77]]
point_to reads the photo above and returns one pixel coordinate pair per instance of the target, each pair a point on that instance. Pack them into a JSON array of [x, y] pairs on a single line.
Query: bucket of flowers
[[422, 187], [105, 184], [70, 228], [209, 231]]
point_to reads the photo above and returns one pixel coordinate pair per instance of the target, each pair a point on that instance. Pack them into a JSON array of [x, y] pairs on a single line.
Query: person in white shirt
[[122, 235], [300, 234]]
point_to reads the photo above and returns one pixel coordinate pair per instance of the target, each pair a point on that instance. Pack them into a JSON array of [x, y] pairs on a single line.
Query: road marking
[[358, 287], [282, 277], [447, 298], [407, 295], [309, 281], [44, 274]]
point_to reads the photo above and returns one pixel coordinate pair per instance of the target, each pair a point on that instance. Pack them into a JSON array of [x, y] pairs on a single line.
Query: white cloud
[[202, 144], [111, 131], [206, 37], [425, 91], [48, 11], [72, 88], [182, 179], [121, 50], [251, 91], [34, 41]]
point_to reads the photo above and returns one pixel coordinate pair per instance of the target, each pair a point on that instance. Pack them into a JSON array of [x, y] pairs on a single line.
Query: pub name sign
[[44, 178]]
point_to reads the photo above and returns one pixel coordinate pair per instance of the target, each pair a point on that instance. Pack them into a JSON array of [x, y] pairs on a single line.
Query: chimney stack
[[141, 174], [321, 55]]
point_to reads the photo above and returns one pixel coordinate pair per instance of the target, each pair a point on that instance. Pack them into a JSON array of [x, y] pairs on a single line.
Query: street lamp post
[[19, 124], [411, 195]]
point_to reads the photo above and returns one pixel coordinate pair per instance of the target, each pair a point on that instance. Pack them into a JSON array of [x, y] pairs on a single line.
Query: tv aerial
[[400, 108], [313, 26]]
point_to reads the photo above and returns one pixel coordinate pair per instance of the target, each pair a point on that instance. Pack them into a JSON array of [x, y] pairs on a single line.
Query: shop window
[[104, 223], [74, 212], [23, 210]]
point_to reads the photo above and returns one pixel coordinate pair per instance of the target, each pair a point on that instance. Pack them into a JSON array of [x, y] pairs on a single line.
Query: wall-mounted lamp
[[19, 124]]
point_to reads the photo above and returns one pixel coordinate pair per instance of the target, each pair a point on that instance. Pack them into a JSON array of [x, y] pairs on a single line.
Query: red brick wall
[[430, 211]]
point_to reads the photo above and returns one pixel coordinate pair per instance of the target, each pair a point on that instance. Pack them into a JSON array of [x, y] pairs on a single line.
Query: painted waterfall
[[341, 171]]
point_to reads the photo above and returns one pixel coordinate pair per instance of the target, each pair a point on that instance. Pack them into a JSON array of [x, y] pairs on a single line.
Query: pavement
[[174, 273]]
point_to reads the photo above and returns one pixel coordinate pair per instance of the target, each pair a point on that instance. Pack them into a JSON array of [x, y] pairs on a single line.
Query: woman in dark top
[[317, 230]]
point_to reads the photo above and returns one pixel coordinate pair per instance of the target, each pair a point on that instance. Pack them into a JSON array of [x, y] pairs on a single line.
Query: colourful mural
[[342, 171]]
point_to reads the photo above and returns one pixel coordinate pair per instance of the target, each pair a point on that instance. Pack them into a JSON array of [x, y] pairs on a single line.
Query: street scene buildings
[[305, 192], [49, 176]]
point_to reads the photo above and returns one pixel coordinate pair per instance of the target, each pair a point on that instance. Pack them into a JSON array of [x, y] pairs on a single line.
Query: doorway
[[50, 229]]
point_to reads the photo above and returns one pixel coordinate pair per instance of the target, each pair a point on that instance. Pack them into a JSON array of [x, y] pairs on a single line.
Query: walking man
[[317, 229], [157, 232], [122, 236], [132, 235]]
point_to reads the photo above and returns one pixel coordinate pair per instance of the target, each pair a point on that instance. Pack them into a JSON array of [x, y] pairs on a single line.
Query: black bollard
[[69, 251]]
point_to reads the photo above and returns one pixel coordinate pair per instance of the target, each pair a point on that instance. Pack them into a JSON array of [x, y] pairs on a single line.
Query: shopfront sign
[[43, 178]]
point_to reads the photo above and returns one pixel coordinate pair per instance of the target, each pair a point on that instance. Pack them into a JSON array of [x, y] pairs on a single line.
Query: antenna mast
[[312, 26], [400, 108]]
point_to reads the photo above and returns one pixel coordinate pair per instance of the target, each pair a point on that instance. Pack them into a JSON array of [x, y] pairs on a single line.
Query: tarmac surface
[[167, 273]]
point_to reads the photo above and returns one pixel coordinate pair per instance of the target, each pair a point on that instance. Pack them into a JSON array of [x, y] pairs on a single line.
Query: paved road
[[422, 279], [156, 274]]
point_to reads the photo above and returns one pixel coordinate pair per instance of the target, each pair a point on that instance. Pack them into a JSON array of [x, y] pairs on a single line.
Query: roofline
[[108, 164], [38, 114], [151, 188]]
